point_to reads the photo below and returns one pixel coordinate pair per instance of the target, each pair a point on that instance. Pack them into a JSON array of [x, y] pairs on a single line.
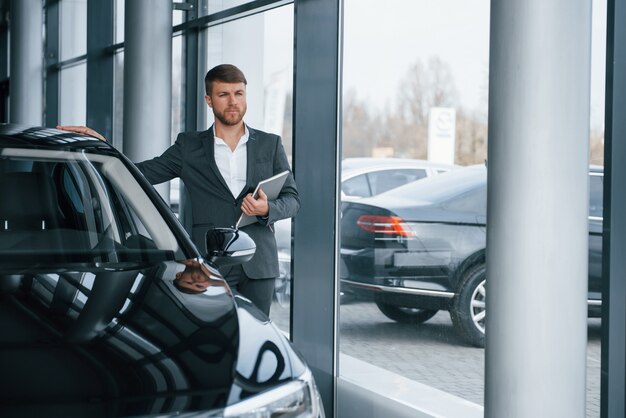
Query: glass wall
[[73, 79], [215, 6], [414, 147], [413, 211], [596, 159], [73, 95], [261, 46], [414, 190], [118, 75], [73, 28]]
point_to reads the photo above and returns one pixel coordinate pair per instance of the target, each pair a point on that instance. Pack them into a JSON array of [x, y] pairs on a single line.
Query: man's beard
[[229, 119]]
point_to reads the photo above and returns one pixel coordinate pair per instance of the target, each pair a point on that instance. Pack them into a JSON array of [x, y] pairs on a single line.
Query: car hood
[[103, 341]]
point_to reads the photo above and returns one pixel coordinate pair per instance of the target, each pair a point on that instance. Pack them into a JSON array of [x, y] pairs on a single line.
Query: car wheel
[[468, 311], [405, 315]]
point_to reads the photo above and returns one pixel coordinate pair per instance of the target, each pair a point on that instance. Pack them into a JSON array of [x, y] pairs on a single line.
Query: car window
[[356, 186], [71, 189], [384, 180], [79, 207], [596, 185]]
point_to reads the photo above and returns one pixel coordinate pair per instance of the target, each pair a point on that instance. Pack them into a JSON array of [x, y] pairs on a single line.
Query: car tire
[[405, 315], [468, 307]]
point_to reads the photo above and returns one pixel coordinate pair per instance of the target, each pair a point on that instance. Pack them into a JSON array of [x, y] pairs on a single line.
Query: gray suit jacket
[[192, 159]]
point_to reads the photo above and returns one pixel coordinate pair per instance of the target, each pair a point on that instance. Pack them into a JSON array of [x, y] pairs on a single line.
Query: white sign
[[441, 134]]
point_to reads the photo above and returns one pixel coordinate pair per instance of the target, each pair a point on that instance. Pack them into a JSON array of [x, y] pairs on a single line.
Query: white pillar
[[26, 56], [537, 208], [148, 80]]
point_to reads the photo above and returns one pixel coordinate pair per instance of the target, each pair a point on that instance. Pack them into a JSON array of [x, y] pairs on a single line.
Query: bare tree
[[424, 88], [359, 127], [471, 138], [596, 147], [405, 127]]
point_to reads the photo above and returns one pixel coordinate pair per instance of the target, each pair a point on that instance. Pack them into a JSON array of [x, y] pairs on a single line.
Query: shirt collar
[[244, 138]]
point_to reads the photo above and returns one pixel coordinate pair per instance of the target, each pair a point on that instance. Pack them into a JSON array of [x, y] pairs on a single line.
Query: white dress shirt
[[232, 164]]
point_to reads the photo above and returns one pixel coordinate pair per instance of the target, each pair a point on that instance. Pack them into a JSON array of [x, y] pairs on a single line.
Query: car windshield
[[442, 187], [77, 207]]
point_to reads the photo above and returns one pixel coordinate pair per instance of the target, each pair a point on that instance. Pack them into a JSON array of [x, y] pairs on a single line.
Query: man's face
[[228, 101]]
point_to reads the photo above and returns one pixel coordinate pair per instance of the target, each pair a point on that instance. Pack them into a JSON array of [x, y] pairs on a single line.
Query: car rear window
[[444, 186]]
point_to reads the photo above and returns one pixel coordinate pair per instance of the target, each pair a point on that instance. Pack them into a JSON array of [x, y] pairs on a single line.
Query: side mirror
[[227, 246]]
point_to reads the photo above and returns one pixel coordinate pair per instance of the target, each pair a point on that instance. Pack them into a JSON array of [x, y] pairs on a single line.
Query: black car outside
[[107, 309], [420, 248]]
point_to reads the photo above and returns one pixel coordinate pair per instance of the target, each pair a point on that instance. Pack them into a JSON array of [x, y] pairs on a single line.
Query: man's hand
[[82, 130], [255, 207]]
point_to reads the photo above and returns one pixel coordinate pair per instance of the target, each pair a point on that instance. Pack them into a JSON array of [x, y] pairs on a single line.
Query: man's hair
[[226, 73]]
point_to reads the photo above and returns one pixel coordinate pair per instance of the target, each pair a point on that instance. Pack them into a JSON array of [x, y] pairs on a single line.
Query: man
[[220, 167]]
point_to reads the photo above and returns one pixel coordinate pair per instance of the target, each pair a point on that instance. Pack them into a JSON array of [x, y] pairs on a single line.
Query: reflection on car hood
[[133, 342]]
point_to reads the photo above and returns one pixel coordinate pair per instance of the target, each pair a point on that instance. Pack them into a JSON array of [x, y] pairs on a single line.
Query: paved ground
[[431, 353]]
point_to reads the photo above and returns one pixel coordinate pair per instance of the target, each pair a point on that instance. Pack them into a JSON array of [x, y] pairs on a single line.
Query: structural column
[[26, 73], [316, 155], [148, 80], [613, 388], [537, 235]]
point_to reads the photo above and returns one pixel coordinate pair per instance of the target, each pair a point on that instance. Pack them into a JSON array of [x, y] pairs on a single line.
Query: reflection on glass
[[412, 265], [262, 46], [73, 95], [73, 28]]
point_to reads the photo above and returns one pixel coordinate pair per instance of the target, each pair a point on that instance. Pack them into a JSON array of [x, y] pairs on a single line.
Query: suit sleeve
[[287, 203], [166, 166]]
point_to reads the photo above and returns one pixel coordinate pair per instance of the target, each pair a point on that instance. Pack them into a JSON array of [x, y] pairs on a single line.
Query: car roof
[[447, 185], [350, 166], [23, 136], [441, 187]]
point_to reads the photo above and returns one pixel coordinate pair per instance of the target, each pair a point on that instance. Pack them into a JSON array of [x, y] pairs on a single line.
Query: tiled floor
[[431, 353]]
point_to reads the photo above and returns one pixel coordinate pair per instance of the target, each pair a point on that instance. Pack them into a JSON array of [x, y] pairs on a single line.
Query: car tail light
[[388, 225]]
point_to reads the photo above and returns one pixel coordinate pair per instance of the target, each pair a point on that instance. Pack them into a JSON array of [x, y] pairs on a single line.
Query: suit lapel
[[209, 148], [250, 154]]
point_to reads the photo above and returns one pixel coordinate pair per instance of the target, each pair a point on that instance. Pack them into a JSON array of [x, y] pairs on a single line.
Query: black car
[[420, 248], [108, 309]]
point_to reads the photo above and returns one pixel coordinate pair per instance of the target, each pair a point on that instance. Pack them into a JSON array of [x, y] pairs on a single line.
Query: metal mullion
[[100, 66], [191, 72], [233, 13], [52, 78], [58, 66], [4, 62], [192, 120]]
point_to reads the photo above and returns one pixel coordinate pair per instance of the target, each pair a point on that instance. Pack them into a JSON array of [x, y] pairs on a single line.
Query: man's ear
[[207, 99]]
